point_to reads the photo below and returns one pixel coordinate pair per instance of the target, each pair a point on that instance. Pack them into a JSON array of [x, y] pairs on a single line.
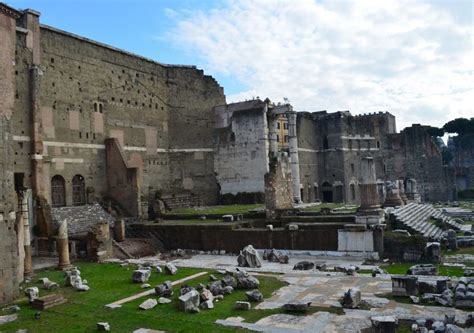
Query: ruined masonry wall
[[242, 153], [8, 239], [90, 92]]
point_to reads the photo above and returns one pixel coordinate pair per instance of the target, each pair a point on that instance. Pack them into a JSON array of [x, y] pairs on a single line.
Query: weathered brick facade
[[81, 121]]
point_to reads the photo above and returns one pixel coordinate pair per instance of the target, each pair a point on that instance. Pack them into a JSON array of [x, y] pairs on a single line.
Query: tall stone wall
[[241, 147], [413, 154], [160, 114], [332, 145], [8, 238]]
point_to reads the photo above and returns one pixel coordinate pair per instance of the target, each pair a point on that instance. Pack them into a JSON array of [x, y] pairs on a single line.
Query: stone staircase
[[415, 218], [81, 219]]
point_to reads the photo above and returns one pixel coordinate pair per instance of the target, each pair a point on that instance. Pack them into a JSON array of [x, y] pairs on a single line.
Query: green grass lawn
[[222, 210], [461, 250], [109, 283], [402, 268]]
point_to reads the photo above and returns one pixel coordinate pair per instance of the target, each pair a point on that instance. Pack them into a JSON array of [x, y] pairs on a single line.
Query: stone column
[[369, 211], [272, 134], [63, 246], [28, 265], [293, 148]]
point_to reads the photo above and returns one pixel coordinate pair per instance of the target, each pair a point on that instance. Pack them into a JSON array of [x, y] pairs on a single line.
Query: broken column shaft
[[63, 246], [293, 148], [272, 134], [369, 211]]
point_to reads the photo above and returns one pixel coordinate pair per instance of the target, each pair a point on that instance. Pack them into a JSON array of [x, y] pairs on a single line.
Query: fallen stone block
[[423, 269], [165, 289], [228, 218], [103, 326], [297, 306], [206, 295], [239, 305], [216, 288], [227, 290], [229, 280], [170, 269], [141, 275], [384, 324], [249, 257], [189, 301], [148, 304], [32, 293], [48, 301], [254, 296], [303, 266], [245, 281], [8, 318], [163, 300], [207, 305], [185, 289], [351, 298]]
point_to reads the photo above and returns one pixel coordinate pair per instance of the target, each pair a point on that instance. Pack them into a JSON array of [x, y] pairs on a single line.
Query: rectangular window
[[285, 125], [278, 138], [286, 138], [278, 125]]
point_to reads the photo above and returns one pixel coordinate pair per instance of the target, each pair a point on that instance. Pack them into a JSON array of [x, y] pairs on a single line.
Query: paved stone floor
[[323, 290]]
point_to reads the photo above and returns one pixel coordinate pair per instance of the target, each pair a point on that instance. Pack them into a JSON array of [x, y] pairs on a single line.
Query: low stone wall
[[208, 237]]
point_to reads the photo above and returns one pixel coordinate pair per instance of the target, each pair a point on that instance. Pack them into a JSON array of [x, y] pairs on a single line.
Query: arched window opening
[[78, 190], [58, 191]]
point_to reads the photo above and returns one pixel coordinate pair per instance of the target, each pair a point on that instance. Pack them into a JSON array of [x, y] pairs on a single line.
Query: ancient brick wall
[[413, 154], [241, 147], [226, 237], [8, 238], [90, 92]]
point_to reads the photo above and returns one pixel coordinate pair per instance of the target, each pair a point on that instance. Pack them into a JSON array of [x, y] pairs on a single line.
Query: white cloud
[[411, 58]]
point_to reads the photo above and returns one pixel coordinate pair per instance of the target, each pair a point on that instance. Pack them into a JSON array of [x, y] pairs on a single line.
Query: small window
[[350, 144], [100, 108], [278, 125], [378, 144], [352, 167], [96, 107], [286, 138], [278, 138], [325, 142], [285, 126]]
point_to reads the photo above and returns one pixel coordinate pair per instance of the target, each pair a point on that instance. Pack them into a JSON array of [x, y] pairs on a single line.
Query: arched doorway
[[327, 192], [78, 190], [58, 191]]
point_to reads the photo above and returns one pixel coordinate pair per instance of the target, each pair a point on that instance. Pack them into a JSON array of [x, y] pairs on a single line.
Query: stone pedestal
[[63, 246], [355, 238], [369, 211], [393, 195]]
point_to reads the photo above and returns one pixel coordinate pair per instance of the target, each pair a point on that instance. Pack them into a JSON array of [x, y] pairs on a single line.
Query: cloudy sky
[[414, 59]]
